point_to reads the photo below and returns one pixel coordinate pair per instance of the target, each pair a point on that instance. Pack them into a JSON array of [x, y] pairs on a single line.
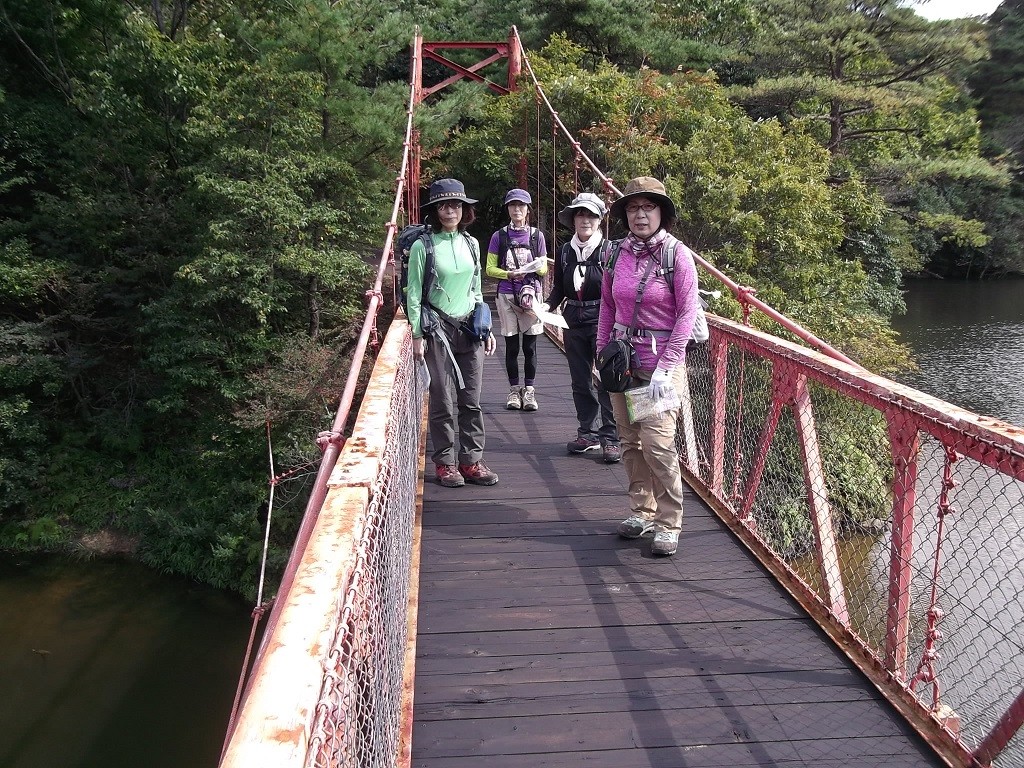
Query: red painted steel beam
[[826, 550], [997, 739], [464, 72], [904, 442], [986, 440]]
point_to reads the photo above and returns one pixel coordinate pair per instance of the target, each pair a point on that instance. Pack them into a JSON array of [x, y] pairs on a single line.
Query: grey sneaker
[[515, 399], [665, 543], [529, 399], [635, 526], [611, 452]]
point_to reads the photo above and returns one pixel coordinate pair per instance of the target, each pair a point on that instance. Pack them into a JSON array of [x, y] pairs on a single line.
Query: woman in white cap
[[452, 355], [654, 308], [517, 257], [577, 282]]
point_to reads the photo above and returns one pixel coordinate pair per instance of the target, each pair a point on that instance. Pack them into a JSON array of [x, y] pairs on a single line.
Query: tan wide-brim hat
[[587, 201], [644, 186]]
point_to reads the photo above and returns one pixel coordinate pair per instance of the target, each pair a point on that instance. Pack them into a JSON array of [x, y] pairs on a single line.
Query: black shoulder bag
[[617, 360]]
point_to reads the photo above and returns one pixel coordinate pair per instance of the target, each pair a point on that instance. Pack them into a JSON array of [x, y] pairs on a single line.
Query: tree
[[665, 34], [756, 200], [878, 87], [998, 84], [186, 193]]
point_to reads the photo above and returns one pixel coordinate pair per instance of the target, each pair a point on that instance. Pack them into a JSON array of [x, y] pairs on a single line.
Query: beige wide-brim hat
[[644, 186], [585, 200]]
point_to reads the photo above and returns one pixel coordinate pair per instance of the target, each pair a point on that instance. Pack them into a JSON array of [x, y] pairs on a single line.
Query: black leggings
[[529, 358]]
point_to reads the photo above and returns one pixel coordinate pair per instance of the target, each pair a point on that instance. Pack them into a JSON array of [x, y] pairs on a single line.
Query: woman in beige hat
[[454, 359], [577, 282], [654, 308]]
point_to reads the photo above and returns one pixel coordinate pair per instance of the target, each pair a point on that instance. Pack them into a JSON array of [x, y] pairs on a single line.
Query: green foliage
[[666, 34], [882, 89], [998, 81], [755, 199], [184, 201], [998, 84]]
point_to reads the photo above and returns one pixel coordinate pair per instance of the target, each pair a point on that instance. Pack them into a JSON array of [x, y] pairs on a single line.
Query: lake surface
[[968, 338], [105, 664]]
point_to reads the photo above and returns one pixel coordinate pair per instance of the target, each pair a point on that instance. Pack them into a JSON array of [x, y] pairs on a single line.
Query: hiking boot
[[635, 526], [478, 474], [515, 399], [665, 543], [448, 476], [529, 399], [611, 453], [582, 444]]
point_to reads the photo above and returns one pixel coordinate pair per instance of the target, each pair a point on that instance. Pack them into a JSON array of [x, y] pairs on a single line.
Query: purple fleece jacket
[[661, 309]]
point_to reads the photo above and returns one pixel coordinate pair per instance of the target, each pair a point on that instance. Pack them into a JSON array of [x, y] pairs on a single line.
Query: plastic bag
[[641, 406]]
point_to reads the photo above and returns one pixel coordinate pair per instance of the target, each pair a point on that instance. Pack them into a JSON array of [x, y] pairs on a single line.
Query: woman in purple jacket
[[658, 323]]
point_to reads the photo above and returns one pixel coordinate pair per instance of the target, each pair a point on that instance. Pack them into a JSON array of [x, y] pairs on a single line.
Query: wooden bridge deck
[[545, 640]]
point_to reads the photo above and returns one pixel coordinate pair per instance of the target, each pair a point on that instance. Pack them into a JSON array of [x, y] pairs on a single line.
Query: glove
[[542, 308], [661, 387]]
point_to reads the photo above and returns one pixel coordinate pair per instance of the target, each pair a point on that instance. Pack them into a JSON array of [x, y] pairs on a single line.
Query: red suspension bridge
[[509, 626]]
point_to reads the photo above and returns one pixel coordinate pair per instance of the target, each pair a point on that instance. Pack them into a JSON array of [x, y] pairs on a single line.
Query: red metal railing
[[893, 517]]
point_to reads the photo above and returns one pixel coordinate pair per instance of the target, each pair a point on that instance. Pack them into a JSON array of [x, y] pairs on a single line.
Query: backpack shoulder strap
[[611, 256], [427, 238], [471, 243], [503, 243], [668, 266], [600, 255]]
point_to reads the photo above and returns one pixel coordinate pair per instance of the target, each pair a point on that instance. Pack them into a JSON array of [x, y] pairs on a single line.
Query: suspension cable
[[740, 292]]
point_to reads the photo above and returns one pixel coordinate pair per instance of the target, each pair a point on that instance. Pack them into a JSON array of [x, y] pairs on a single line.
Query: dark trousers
[[591, 400], [452, 409]]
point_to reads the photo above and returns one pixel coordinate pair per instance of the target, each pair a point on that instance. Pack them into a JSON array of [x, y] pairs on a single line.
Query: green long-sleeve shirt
[[457, 286]]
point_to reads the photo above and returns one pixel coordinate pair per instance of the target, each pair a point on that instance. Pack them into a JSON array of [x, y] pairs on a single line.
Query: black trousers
[[593, 406]]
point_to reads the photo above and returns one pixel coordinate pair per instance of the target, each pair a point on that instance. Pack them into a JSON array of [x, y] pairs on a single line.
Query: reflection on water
[[106, 664], [968, 338]]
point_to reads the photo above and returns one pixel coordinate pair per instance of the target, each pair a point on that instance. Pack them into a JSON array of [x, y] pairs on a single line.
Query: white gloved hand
[[661, 387], [542, 308]]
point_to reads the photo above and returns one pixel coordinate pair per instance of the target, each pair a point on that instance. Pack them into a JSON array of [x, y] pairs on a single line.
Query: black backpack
[[668, 268], [668, 264], [406, 238]]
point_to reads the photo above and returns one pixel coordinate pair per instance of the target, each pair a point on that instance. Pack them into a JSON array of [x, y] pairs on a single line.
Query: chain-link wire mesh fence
[[902, 515], [358, 717], [332, 687]]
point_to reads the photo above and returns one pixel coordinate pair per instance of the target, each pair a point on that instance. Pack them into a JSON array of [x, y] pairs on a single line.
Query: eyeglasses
[[645, 207], [453, 205]]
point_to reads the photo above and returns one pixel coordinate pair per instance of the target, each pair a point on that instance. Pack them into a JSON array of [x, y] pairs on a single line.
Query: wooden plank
[[890, 752], [545, 640], [645, 729], [742, 639]]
